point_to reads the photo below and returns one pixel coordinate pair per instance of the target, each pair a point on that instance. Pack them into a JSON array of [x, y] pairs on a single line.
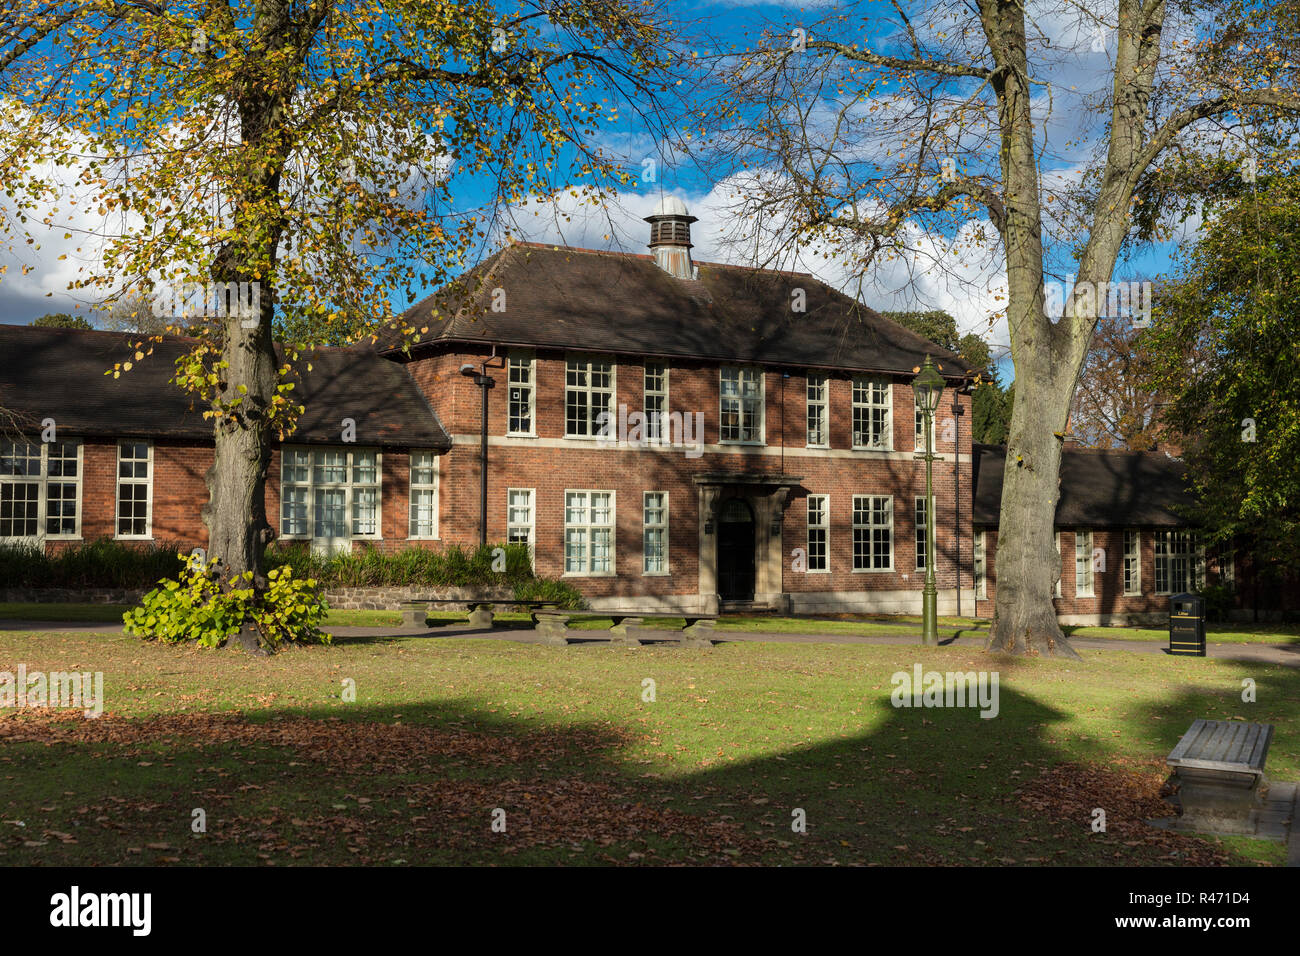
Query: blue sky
[[972, 295]]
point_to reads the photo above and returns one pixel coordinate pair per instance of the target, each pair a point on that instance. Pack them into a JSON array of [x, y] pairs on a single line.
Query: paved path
[[973, 638]]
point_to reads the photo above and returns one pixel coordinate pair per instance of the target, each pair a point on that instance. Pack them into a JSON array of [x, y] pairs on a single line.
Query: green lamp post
[[927, 387]]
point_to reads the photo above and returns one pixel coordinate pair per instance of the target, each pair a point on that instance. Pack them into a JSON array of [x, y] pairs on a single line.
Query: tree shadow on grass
[[422, 782]]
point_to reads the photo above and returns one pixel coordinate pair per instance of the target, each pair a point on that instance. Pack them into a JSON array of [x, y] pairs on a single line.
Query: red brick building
[[784, 472], [663, 434], [126, 458], [1123, 533]]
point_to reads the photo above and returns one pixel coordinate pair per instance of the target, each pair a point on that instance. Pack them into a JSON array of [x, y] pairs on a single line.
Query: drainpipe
[[784, 376]]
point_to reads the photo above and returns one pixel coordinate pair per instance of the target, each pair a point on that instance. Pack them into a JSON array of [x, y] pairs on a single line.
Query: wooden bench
[[553, 627], [416, 613], [1218, 768]]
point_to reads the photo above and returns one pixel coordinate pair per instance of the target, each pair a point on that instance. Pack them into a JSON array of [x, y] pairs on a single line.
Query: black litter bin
[[1187, 625]]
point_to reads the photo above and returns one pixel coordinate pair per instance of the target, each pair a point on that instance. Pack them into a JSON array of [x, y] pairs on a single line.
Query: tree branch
[[937, 202], [920, 65], [1175, 124]]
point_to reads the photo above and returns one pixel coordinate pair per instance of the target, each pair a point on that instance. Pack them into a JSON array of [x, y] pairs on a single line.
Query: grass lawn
[[444, 732]]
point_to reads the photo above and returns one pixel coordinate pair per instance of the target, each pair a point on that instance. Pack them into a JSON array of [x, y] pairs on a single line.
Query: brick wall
[[1108, 603], [180, 492], [551, 464]]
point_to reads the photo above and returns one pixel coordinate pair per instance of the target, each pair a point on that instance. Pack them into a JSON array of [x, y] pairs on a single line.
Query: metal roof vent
[[670, 237]]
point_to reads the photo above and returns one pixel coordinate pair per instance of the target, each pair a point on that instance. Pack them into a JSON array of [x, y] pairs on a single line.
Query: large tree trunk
[[1027, 563], [238, 531], [235, 514], [1024, 618]]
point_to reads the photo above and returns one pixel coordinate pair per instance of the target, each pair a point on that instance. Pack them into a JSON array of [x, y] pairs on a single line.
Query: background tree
[[990, 408], [1225, 350], [61, 320], [135, 312], [857, 134], [336, 155], [1116, 404]]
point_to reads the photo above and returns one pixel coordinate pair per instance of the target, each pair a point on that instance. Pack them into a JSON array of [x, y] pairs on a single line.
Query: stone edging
[[357, 599]]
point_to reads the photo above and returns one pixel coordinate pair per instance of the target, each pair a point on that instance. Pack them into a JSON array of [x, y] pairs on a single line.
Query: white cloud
[[65, 252], [963, 275]]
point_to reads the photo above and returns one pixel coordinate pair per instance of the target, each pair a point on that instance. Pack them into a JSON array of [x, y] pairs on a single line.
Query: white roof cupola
[[670, 237]]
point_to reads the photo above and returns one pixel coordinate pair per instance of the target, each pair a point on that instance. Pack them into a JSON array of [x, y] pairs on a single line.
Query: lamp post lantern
[[484, 382], [927, 387]]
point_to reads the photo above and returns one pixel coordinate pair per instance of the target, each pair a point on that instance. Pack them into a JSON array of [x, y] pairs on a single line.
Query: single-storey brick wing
[[1124, 533]]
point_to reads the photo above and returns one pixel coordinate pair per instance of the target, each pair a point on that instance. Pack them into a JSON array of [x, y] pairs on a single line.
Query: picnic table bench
[[415, 613], [1218, 767], [553, 626]]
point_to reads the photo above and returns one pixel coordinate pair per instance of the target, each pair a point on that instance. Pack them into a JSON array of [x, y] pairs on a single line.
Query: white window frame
[[147, 482], [819, 519], [516, 361], [1085, 585], [583, 364], [817, 405], [979, 558], [1225, 555], [1192, 551], [741, 371], [918, 440], [590, 527], [872, 527], [530, 527], [660, 527], [920, 512], [655, 429], [413, 486], [348, 485], [863, 390], [1131, 568], [1060, 565], [285, 452], [43, 479]]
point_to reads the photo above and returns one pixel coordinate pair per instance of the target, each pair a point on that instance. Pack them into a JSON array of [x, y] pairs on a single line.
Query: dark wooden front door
[[736, 551]]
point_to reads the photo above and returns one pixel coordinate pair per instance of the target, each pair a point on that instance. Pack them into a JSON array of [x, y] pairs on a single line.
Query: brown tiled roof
[[59, 374], [1098, 488], [582, 299]]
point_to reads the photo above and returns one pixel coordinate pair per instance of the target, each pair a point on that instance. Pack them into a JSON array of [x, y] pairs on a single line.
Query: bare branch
[[920, 64]]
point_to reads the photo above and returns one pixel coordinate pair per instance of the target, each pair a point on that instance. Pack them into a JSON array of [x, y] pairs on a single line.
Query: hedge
[[114, 564]]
